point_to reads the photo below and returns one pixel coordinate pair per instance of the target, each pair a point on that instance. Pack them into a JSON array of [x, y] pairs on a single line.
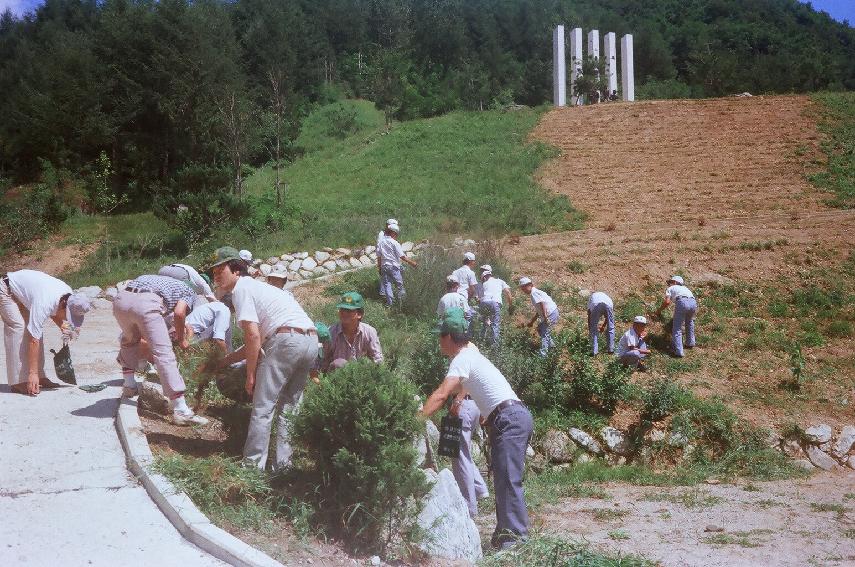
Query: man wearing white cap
[[545, 309], [380, 236], [28, 298], [452, 298], [632, 348], [467, 281], [490, 294], [389, 258], [600, 306], [685, 309], [277, 279], [188, 275], [246, 256]]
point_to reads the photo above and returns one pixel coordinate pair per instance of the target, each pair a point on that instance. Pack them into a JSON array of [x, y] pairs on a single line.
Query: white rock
[[449, 531], [615, 440], [294, 265], [585, 441], [711, 279], [342, 263], [152, 398], [266, 269], [468, 242], [844, 442], [320, 271], [306, 273], [343, 251], [421, 443], [850, 462], [257, 262], [655, 436], [280, 267], [529, 452], [818, 433], [294, 277], [322, 256], [615, 460], [272, 260], [111, 293], [301, 255], [375, 560], [820, 459], [584, 458], [584, 293], [90, 291], [557, 446], [407, 246], [330, 265], [370, 249], [366, 261], [355, 263], [309, 264], [373, 256], [286, 257]]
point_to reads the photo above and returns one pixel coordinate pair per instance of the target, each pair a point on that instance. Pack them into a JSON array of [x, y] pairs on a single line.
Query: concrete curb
[[177, 506]]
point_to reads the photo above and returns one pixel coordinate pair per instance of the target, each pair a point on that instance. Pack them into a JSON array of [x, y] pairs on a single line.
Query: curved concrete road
[[66, 496]]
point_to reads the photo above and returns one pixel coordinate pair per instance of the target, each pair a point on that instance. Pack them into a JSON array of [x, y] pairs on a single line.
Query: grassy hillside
[[838, 126]]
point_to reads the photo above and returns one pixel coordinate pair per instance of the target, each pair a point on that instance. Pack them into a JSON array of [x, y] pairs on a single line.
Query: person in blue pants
[[600, 306], [545, 309], [685, 310]]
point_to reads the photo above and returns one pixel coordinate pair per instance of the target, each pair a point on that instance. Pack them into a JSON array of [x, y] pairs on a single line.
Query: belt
[[502, 406], [139, 290], [297, 330]]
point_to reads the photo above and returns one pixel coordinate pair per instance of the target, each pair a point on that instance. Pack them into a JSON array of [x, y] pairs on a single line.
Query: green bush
[[357, 432], [39, 212], [660, 399], [591, 388]]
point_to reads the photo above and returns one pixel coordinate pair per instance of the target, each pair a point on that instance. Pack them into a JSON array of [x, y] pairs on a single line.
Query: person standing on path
[[685, 310], [188, 275], [452, 299], [389, 258], [600, 306], [274, 324], [141, 309], [28, 298], [509, 424], [545, 309], [380, 236], [490, 294], [350, 338], [632, 348]]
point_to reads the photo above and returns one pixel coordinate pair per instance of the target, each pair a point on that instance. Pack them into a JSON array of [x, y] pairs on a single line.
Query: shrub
[[357, 430], [593, 389], [38, 212], [660, 400]]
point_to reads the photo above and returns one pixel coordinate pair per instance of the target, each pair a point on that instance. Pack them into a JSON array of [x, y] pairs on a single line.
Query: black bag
[[450, 430], [62, 365]]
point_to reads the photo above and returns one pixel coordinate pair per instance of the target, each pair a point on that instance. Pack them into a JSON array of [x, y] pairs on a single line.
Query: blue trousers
[[685, 309], [596, 313], [510, 433], [392, 275], [466, 473], [544, 329], [632, 358], [491, 321]]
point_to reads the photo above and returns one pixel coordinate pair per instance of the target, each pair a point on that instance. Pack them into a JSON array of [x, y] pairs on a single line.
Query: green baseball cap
[[453, 322], [223, 255], [323, 332], [351, 300]]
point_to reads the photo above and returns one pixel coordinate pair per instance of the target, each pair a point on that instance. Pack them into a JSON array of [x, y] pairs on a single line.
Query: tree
[[239, 127]]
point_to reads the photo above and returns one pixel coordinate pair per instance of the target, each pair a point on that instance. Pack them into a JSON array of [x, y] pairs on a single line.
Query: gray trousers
[[510, 433], [632, 358], [491, 321], [596, 313], [685, 309], [280, 379], [392, 275], [466, 473]]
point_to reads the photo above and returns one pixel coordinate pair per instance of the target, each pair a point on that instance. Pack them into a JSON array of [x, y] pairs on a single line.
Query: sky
[[838, 9]]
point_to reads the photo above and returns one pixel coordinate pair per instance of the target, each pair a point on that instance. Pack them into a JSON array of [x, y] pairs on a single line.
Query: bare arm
[[412, 263], [509, 299], [33, 350], [665, 303], [450, 386], [180, 313], [251, 347]]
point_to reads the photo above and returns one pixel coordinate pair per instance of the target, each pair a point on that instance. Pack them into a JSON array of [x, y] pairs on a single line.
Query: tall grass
[[838, 124]]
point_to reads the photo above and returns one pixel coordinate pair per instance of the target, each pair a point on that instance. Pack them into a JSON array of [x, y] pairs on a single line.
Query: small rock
[[529, 452], [294, 277], [309, 264], [342, 263], [330, 265], [820, 459], [818, 434], [845, 441], [265, 269], [584, 458], [111, 293], [357, 252], [615, 440], [655, 436], [366, 261], [712, 481], [272, 260], [90, 291], [407, 246], [355, 263], [101, 303], [850, 462], [306, 273], [375, 560], [257, 262], [713, 529], [373, 256], [327, 249], [301, 255], [584, 293], [280, 267], [585, 441], [468, 242], [295, 265], [153, 399], [343, 251], [322, 257], [711, 279], [286, 257], [320, 271], [370, 249], [615, 460], [557, 446]]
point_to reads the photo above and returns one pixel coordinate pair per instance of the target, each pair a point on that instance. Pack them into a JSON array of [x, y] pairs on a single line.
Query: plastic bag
[[62, 365], [450, 430]]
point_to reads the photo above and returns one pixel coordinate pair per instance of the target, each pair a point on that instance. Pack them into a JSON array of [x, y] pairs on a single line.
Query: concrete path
[[66, 496]]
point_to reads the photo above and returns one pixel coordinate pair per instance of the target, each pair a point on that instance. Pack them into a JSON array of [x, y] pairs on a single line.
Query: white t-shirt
[[629, 341], [211, 321], [389, 250], [40, 294], [599, 297], [380, 236], [540, 296], [270, 307], [481, 380], [467, 279], [491, 290], [676, 291], [451, 300], [197, 282]]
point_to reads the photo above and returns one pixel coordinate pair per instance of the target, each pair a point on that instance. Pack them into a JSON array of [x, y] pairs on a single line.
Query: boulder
[[272, 260], [850, 462], [711, 279], [265, 269], [111, 293], [804, 464], [322, 256], [305, 273], [844, 443], [820, 459], [342, 264], [557, 446], [354, 262], [286, 257], [309, 264], [153, 399], [615, 440], [449, 531], [301, 255], [585, 441], [330, 265], [343, 251], [294, 265], [370, 249], [818, 434], [407, 246], [366, 261], [90, 291], [792, 449]]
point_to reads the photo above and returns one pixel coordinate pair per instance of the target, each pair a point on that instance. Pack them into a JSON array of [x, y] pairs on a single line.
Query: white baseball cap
[[391, 221], [76, 308], [393, 226], [452, 279], [677, 279], [245, 255], [486, 269], [469, 256], [280, 275], [640, 319], [524, 281]]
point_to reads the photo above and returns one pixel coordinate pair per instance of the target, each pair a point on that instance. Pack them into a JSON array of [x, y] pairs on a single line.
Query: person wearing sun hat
[[509, 422], [389, 258], [350, 338], [685, 310], [632, 348], [28, 298], [272, 321], [545, 309], [466, 277], [380, 236], [490, 293], [601, 306], [277, 279]]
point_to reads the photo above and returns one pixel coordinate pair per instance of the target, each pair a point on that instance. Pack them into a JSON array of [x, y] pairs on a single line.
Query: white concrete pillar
[[610, 54], [594, 43], [559, 68], [575, 64], [627, 72]]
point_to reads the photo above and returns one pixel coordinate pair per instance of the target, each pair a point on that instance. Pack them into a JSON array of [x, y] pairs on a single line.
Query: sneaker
[[128, 392], [188, 418]]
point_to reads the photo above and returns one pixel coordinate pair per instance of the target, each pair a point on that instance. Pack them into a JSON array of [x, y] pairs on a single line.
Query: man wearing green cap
[[350, 338], [273, 320], [509, 423]]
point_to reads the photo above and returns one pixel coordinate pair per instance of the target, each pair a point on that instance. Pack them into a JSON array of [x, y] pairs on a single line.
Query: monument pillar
[[594, 51], [559, 68], [610, 54], [627, 77], [575, 64]]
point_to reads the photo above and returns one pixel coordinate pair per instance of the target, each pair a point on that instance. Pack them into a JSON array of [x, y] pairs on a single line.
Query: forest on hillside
[[149, 96]]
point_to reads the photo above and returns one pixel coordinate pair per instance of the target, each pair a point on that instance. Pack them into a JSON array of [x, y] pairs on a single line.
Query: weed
[[828, 507], [742, 538], [544, 549], [694, 498], [608, 514], [618, 535], [576, 267]]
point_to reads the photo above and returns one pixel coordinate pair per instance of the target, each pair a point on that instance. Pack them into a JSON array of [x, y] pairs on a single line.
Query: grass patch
[[742, 538], [837, 123], [618, 535], [607, 514], [543, 549], [828, 507], [694, 498]]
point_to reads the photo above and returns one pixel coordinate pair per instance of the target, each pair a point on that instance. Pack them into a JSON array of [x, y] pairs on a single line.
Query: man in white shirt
[[190, 276], [466, 277], [632, 348], [452, 299], [490, 293], [685, 310], [545, 309], [211, 322], [509, 423], [600, 306], [380, 236], [389, 258], [270, 318], [28, 298]]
